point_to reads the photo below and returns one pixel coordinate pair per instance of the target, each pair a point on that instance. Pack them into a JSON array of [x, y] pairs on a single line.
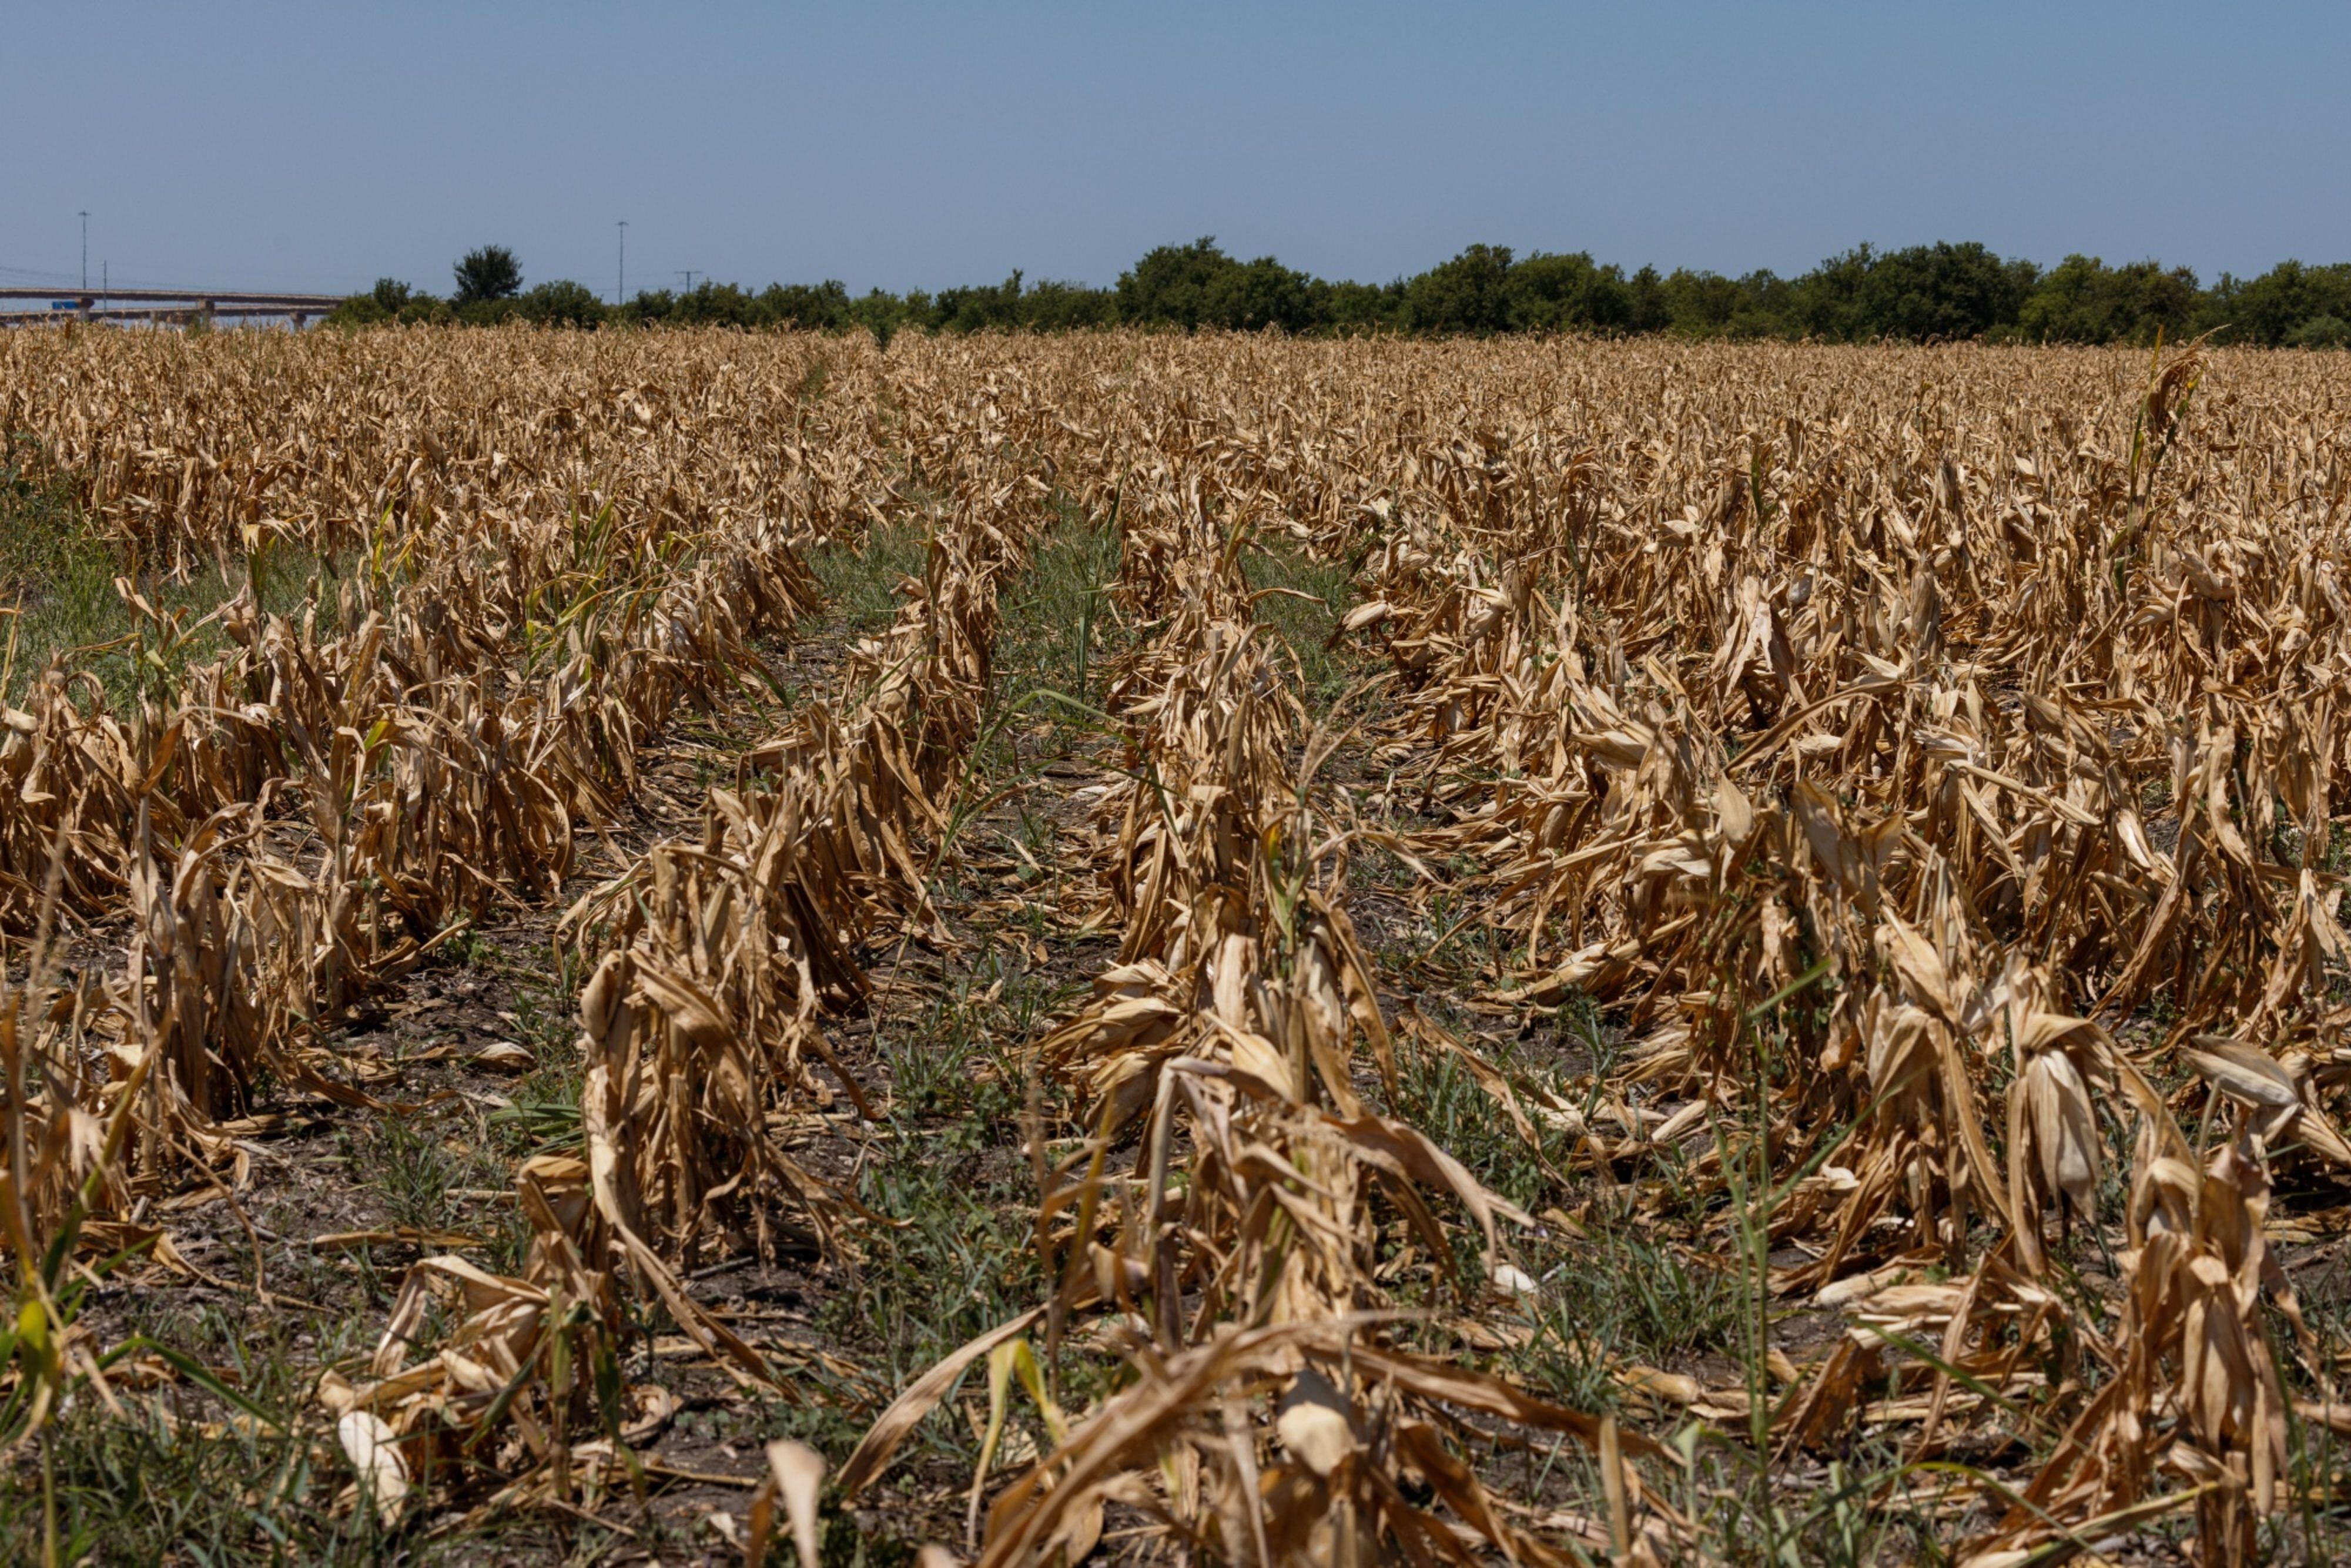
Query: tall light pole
[[621, 289], [85, 251]]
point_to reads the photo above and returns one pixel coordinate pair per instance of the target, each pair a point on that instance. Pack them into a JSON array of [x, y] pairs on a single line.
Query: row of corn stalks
[[1879, 805], [280, 829], [723, 954], [1222, 1226]]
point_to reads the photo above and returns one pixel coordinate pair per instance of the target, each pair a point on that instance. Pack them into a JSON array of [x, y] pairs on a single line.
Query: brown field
[[686, 946]]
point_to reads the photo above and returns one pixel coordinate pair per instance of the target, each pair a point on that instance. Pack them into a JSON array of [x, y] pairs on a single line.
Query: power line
[[31, 276], [65, 283]]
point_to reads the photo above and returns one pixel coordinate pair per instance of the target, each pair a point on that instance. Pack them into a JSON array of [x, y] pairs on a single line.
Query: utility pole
[[85, 252], [621, 289], [687, 273]]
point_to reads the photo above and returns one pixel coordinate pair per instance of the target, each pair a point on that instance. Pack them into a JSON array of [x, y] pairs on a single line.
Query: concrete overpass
[[176, 305]]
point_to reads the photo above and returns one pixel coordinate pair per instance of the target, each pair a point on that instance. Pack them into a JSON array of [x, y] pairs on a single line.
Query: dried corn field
[[696, 947]]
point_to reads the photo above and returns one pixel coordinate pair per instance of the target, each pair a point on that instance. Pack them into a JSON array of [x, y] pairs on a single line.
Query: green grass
[[170, 1483], [57, 576], [542, 1115], [57, 571], [861, 577], [1436, 1095], [960, 1261], [404, 1163], [1055, 627], [151, 1489], [1605, 1300], [950, 1169], [1305, 625], [1616, 1298], [180, 1482]]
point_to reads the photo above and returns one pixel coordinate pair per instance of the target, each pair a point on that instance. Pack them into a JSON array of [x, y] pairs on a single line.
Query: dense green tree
[[1708, 305], [1700, 304], [709, 304], [651, 306], [489, 272], [2084, 300], [357, 310], [1469, 293], [1354, 306], [1648, 309], [1249, 297], [1831, 300], [2321, 332], [1052, 306], [883, 313], [1171, 286], [1939, 290], [1924, 292], [979, 307], [823, 307], [2279, 304], [1948, 291], [1566, 293], [561, 303], [388, 300]]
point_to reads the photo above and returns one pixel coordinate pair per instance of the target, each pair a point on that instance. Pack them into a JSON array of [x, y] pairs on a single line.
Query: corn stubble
[[1922, 757]]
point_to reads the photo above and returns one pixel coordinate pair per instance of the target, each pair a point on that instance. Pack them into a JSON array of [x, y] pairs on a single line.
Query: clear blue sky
[[926, 145]]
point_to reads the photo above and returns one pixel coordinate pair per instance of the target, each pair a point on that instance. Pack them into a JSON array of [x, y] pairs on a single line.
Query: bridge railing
[[159, 306]]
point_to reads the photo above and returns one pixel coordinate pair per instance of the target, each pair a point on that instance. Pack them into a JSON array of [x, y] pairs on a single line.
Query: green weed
[[861, 577], [1280, 575], [57, 574]]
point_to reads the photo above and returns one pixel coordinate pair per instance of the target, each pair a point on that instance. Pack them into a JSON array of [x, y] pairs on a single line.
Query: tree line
[[1923, 293]]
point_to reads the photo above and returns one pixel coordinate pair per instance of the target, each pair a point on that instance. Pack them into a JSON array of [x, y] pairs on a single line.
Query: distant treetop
[[490, 273], [1922, 292]]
